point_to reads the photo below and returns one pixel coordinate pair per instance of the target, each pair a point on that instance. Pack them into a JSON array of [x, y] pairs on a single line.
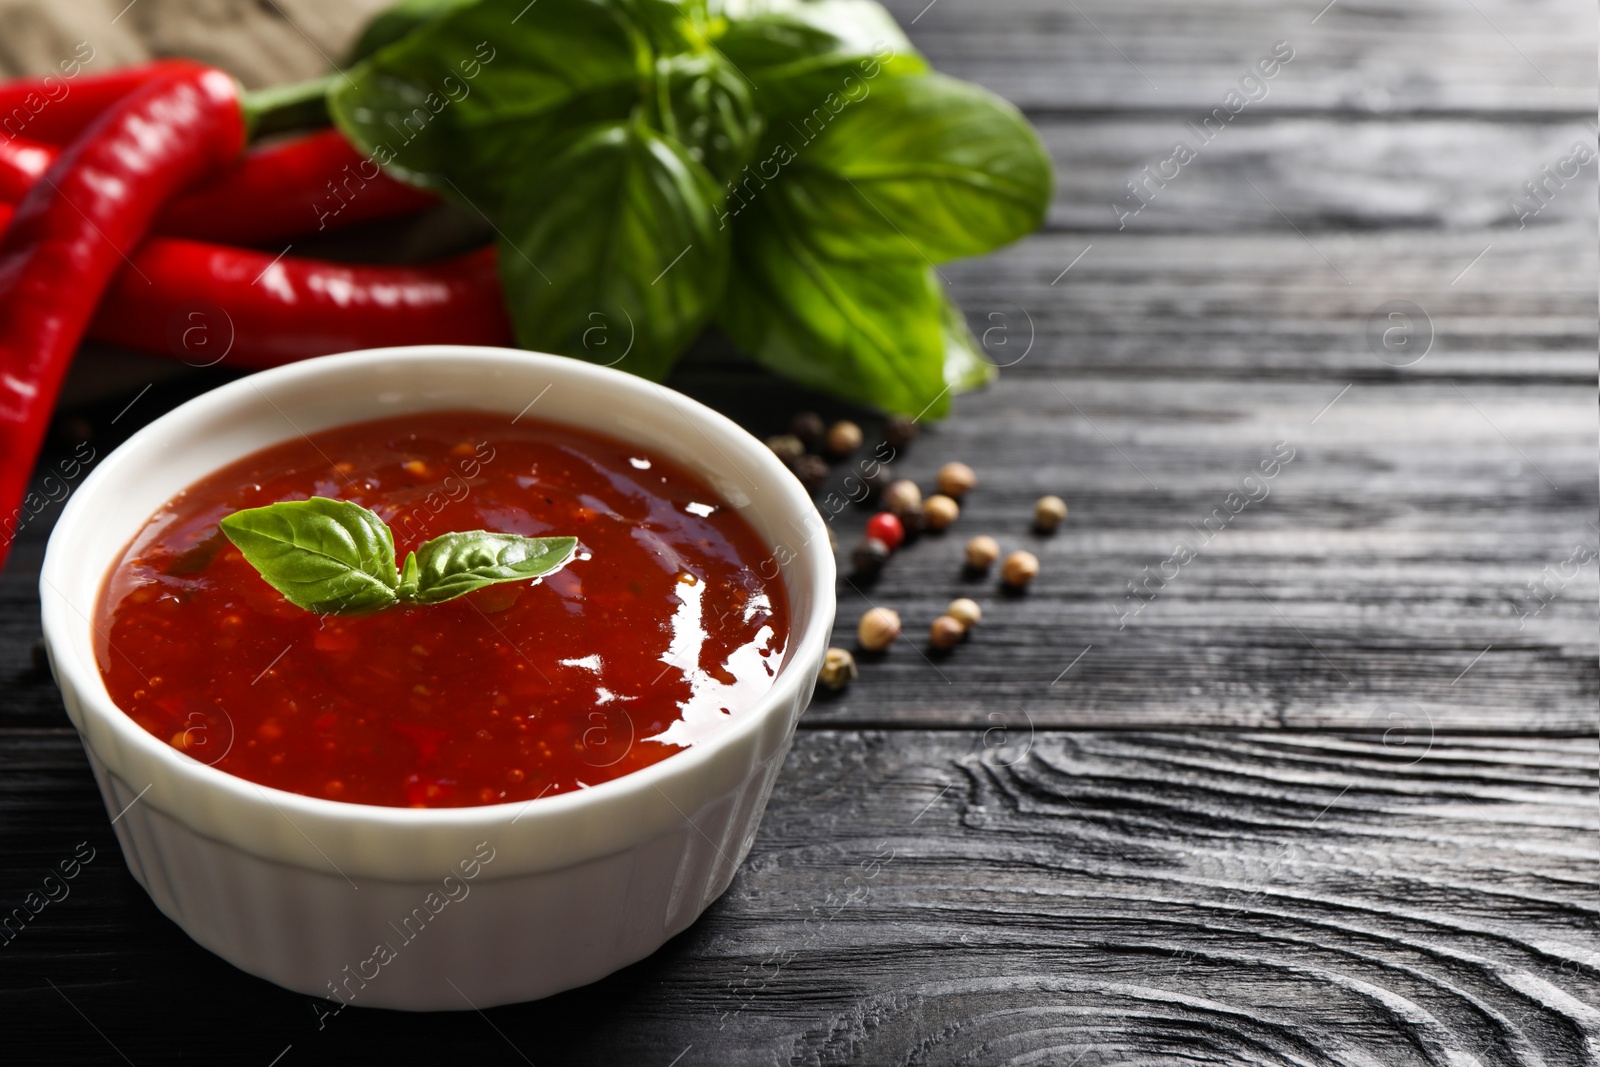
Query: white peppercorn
[[965, 611], [838, 669], [786, 446], [946, 632], [1048, 513], [1019, 569], [878, 629], [902, 496], [982, 551], [940, 511], [956, 479], [844, 437]]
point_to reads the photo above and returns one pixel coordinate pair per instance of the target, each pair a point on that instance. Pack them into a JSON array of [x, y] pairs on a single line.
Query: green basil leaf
[[670, 26], [705, 106], [921, 169], [391, 24], [471, 104], [799, 53], [323, 555], [618, 234], [965, 366], [458, 563], [872, 332]]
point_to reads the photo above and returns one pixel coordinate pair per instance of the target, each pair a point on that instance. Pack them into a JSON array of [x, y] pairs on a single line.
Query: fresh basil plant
[[789, 170], [337, 557]]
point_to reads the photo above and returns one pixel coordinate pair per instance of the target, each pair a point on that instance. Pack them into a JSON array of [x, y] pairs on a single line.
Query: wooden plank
[[1322, 173], [1164, 55], [971, 898], [1278, 304], [1153, 55]]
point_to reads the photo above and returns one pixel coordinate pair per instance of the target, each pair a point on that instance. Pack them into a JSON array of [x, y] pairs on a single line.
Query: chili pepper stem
[[277, 108]]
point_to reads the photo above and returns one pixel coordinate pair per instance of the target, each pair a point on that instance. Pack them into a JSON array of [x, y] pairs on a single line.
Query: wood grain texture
[[1433, 173], [1416, 55], [948, 898], [1328, 798]]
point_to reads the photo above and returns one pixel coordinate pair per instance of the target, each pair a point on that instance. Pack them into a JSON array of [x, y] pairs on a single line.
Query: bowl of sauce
[[520, 788]]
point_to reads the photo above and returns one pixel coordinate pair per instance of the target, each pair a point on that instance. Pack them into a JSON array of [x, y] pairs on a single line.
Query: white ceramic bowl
[[476, 906]]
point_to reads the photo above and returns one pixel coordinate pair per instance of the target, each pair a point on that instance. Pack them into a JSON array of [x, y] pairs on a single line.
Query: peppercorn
[[965, 611], [808, 426], [982, 551], [1019, 569], [1048, 513], [887, 528], [812, 472], [902, 496], [869, 557], [878, 629], [940, 511], [956, 479], [786, 446], [838, 669], [913, 522], [899, 431], [875, 475], [844, 437], [946, 632]]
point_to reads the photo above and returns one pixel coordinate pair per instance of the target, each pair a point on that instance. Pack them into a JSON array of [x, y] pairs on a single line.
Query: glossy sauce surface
[[661, 628]]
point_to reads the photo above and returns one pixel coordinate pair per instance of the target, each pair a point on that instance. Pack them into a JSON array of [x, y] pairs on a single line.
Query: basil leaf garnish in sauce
[[457, 563], [337, 557]]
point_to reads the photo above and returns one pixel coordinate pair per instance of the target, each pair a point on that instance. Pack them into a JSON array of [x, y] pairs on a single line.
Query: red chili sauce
[[661, 628]]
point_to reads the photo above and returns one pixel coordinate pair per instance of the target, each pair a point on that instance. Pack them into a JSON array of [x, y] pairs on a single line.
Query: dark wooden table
[[1323, 794]]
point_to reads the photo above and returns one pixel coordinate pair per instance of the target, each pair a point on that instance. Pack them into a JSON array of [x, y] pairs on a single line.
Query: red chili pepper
[[278, 191], [55, 109], [311, 183], [73, 231], [22, 162], [207, 303]]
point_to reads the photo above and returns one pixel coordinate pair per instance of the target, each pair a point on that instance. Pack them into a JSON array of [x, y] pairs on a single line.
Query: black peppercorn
[[809, 427], [899, 431], [877, 477], [869, 556], [811, 470]]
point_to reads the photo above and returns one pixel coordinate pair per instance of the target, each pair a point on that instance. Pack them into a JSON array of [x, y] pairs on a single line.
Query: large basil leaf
[[923, 169], [458, 563], [322, 555], [614, 246], [472, 104], [869, 332], [799, 54]]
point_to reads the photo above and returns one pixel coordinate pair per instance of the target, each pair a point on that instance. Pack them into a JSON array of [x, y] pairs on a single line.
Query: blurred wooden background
[[260, 42]]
